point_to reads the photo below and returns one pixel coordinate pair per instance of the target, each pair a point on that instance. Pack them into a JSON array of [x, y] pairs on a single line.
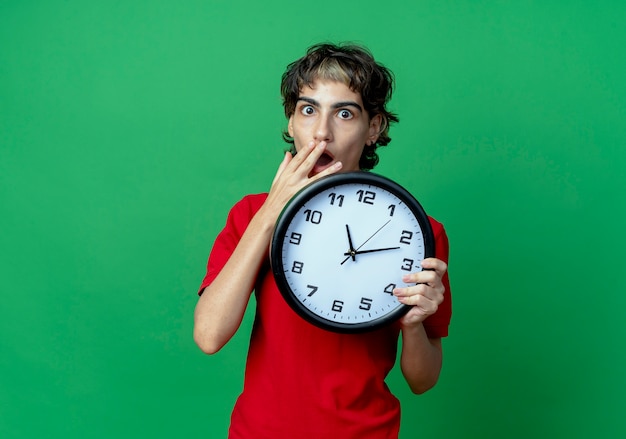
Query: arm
[[222, 305], [421, 357]]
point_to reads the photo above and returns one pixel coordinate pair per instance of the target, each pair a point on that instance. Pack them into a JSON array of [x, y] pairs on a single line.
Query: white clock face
[[344, 250]]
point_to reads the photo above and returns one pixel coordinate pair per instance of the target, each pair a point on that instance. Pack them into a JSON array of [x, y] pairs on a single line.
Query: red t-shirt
[[302, 381]]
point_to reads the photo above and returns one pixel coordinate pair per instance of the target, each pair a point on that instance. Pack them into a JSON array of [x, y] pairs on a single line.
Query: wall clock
[[342, 244]]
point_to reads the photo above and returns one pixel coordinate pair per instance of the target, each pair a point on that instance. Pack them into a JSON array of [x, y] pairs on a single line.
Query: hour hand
[[351, 251]]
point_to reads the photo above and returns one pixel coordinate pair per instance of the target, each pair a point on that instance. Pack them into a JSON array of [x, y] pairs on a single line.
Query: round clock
[[342, 244]]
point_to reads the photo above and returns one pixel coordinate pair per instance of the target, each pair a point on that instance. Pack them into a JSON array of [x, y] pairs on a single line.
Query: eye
[[307, 110], [345, 114]]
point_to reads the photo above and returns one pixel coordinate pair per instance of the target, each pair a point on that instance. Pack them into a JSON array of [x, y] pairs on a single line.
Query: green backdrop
[[128, 129]]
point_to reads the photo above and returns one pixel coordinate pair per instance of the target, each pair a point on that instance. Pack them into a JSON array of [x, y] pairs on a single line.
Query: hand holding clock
[[426, 295]]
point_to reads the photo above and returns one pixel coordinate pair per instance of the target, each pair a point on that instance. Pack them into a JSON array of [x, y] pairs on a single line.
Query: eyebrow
[[335, 106]]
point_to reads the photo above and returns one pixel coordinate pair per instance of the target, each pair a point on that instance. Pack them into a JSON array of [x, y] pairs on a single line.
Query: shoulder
[[438, 228], [241, 214], [248, 205], [442, 244], [436, 225]]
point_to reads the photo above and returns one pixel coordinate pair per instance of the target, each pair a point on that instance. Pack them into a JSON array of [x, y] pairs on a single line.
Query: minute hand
[[358, 252]]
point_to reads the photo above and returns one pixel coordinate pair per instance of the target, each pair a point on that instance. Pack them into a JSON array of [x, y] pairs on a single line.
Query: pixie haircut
[[353, 66]]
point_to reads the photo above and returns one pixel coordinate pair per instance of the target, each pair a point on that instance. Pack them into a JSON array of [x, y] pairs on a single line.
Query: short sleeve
[[226, 241], [437, 325]]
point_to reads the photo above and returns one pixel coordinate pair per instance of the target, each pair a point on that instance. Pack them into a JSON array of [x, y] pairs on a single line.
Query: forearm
[[421, 358], [221, 307]]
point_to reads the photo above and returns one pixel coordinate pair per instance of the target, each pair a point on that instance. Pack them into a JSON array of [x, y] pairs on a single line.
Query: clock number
[[297, 267], [406, 237], [366, 304], [392, 209], [389, 289], [366, 197], [313, 290], [295, 238], [314, 216], [408, 263], [337, 306], [334, 197]]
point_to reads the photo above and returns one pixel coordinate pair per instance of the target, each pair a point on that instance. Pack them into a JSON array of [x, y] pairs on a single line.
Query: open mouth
[[322, 163], [324, 160]]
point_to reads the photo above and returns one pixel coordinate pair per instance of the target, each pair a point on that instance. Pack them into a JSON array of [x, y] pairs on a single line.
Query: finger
[[413, 290], [435, 264], [311, 159], [429, 285], [286, 160], [305, 155], [426, 299], [422, 277], [420, 294], [425, 304]]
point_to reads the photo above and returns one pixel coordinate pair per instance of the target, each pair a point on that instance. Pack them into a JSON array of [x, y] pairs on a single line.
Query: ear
[[290, 126], [375, 128]]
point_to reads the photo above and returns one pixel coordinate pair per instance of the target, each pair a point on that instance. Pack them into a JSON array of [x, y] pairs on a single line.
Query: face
[[330, 112]]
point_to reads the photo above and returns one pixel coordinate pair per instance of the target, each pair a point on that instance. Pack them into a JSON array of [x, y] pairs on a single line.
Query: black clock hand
[[351, 250], [373, 234], [358, 252]]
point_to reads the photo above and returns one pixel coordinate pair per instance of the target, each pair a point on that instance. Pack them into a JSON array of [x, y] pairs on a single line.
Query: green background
[[129, 128]]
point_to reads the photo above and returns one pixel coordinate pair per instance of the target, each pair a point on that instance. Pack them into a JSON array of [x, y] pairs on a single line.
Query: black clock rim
[[292, 208]]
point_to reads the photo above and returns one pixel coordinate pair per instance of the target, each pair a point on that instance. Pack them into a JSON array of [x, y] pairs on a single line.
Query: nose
[[323, 129]]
